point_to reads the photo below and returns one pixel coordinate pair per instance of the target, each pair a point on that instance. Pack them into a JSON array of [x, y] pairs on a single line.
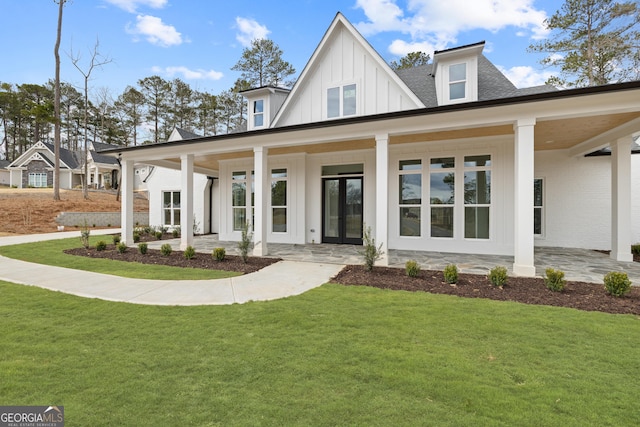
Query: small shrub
[[189, 252], [617, 283], [166, 249], [136, 237], [116, 239], [158, 235], [412, 268], [122, 247], [101, 245], [554, 279], [142, 248], [498, 276], [371, 252], [84, 235], [219, 254], [635, 249], [245, 242], [451, 273], [147, 230], [175, 233]]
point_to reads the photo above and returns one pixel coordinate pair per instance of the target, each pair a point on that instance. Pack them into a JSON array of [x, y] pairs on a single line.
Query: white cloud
[[155, 31], [401, 48], [188, 74], [249, 30], [439, 22], [525, 76], [131, 6]]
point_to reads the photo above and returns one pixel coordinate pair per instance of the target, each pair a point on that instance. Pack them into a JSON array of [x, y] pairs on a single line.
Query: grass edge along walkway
[[50, 252]]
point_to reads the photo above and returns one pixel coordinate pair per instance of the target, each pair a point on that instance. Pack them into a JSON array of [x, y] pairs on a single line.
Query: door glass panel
[[331, 208], [353, 208]]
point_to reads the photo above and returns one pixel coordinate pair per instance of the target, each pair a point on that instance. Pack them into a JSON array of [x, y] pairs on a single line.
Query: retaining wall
[[99, 219]]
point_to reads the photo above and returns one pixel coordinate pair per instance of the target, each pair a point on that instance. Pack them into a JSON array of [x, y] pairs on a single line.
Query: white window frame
[[258, 113], [341, 100], [172, 209], [479, 205], [401, 206], [272, 207], [540, 207], [465, 81], [36, 179]]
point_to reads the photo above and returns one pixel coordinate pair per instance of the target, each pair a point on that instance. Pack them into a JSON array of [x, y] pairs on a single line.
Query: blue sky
[[199, 41]]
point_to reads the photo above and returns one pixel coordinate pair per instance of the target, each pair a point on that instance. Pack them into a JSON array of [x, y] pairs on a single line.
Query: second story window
[[258, 113], [458, 81], [341, 101]]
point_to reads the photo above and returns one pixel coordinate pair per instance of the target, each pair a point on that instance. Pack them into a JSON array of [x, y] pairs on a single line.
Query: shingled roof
[[492, 84]]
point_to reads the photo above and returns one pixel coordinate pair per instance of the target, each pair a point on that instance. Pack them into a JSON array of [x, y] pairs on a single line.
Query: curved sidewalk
[[279, 280]]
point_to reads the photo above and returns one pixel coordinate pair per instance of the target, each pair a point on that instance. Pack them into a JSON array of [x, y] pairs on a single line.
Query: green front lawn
[[333, 356], [51, 253]]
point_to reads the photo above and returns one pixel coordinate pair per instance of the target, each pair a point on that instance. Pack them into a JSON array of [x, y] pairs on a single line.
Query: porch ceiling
[[549, 135]]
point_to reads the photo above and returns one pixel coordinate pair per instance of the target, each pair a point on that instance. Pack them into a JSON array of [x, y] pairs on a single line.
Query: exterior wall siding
[[577, 200]]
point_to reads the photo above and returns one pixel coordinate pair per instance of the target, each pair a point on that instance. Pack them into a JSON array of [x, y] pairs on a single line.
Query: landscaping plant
[[451, 273], [219, 254], [189, 252], [245, 242], [122, 247], [412, 268], [371, 252], [84, 235], [116, 239], [498, 276], [554, 279], [101, 245], [142, 248], [617, 283], [166, 249]]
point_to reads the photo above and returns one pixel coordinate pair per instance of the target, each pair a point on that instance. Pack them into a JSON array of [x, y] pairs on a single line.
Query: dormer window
[[341, 101], [458, 81], [258, 113], [456, 74]]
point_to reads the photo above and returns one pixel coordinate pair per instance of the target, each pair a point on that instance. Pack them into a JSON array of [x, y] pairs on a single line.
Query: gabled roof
[[179, 134], [101, 158], [341, 21], [46, 153]]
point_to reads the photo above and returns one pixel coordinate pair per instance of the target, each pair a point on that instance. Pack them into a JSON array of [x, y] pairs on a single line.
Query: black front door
[[342, 210]]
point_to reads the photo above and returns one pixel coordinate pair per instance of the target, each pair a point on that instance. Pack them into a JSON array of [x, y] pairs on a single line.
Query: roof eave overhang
[[616, 98]]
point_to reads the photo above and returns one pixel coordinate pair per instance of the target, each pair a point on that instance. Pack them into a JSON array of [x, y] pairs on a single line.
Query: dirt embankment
[[33, 210]]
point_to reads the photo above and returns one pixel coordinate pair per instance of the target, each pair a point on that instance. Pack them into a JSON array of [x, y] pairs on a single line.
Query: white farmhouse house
[[447, 157]]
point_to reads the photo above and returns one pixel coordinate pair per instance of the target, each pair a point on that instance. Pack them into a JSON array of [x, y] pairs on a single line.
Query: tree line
[[144, 113]]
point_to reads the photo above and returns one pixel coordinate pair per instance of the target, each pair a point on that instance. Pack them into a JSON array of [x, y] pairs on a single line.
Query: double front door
[[342, 210]]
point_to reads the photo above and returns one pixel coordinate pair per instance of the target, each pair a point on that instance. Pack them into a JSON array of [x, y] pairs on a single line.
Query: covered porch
[[573, 123]]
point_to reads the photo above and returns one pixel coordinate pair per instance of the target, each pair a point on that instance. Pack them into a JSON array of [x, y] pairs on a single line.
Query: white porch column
[[186, 201], [382, 197], [126, 205], [523, 264], [261, 201], [621, 199]]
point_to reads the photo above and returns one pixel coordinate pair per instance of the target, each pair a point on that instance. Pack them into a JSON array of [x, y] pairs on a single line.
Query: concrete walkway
[[279, 280]]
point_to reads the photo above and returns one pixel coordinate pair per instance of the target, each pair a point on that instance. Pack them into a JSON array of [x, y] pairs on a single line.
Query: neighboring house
[[34, 168], [4, 172], [447, 157], [103, 170]]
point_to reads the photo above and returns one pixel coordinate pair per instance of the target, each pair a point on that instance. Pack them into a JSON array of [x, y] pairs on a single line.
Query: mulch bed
[[177, 259], [578, 295]]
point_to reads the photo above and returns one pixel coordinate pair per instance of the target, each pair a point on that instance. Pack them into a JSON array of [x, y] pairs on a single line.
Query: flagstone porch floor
[[578, 264]]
